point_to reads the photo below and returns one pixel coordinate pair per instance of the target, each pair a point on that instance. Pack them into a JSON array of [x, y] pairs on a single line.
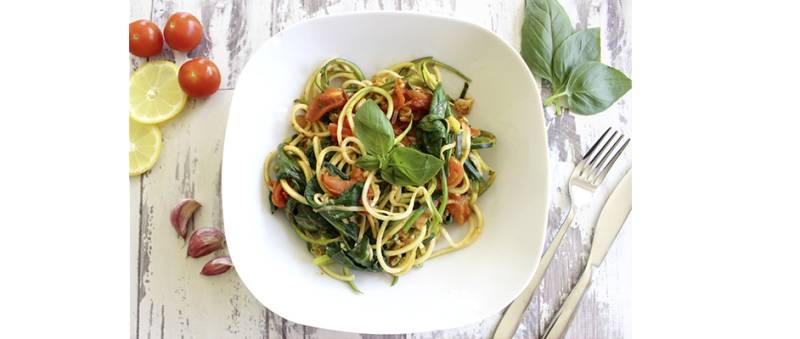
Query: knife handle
[[560, 323], [511, 319]]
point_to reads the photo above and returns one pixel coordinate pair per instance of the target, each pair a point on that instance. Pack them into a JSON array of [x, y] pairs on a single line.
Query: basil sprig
[[569, 60], [403, 166]]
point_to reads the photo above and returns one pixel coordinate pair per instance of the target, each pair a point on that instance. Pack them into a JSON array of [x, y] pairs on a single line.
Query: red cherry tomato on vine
[[183, 31], [199, 77], [144, 38]]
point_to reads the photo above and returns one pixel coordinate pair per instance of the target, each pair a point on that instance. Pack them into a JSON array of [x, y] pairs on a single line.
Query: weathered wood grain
[[171, 300]]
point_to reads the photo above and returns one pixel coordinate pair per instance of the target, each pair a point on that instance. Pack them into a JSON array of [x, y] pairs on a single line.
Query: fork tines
[[597, 168]]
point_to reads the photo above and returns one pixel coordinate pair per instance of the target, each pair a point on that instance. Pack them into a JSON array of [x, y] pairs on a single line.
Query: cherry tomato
[[458, 206], [456, 172], [279, 196], [144, 38], [183, 31], [199, 77]]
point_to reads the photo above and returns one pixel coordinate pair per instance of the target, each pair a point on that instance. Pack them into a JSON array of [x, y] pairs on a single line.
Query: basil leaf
[[544, 28], [373, 129], [579, 48], [409, 167], [369, 162], [593, 87]]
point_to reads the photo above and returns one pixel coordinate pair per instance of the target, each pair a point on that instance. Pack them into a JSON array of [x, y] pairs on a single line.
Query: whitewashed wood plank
[[174, 300], [138, 10]]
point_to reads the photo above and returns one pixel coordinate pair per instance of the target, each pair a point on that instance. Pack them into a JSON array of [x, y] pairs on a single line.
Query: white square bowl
[[463, 287]]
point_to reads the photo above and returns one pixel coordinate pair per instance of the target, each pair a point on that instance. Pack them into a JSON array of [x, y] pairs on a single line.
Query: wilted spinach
[[431, 129], [334, 217], [286, 168], [335, 171]]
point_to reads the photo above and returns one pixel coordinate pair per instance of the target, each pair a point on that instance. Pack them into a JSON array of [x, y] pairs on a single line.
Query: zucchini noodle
[[355, 218]]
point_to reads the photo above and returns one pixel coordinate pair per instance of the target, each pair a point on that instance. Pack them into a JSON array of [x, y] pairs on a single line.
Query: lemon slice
[[145, 147], [155, 95]]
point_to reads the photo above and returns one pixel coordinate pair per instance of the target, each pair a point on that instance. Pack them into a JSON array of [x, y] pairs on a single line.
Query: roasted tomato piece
[[419, 100], [458, 206], [279, 196], [456, 172], [330, 99]]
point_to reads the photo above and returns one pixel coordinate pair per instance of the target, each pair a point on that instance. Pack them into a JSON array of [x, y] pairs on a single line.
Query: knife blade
[[612, 217]]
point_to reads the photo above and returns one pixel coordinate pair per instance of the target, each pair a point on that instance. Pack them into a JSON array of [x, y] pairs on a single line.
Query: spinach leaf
[[369, 162], [593, 87], [335, 252], [309, 220], [431, 129], [409, 167], [335, 218], [373, 129], [544, 28], [348, 229], [360, 253], [355, 258], [335, 171], [351, 196], [579, 48], [286, 168], [312, 188]]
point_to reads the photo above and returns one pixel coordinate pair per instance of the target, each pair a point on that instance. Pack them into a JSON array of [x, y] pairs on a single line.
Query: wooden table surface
[[170, 299]]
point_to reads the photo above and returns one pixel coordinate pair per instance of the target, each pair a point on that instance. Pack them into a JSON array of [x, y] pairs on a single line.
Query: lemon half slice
[[155, 95], [145, 147]]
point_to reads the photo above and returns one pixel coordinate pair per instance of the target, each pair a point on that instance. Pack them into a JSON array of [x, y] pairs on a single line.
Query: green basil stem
[[558, 108], [552, 98]]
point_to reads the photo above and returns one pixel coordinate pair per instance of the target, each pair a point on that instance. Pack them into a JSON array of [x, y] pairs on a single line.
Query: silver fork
[[584, 180]]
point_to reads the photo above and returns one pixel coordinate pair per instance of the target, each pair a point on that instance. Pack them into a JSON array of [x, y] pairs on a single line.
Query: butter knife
[[612, 217]]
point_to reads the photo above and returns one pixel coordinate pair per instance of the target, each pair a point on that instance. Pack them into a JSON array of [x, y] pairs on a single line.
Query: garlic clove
[[181, 216], [217, 266], [204, 241]]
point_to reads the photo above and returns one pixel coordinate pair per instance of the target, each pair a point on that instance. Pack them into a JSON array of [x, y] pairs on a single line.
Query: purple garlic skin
[[204, 241], [181, 216], [217, 266]]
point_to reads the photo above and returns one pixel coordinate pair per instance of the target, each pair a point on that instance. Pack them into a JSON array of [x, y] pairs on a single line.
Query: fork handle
[[511, 319], [560, 323]]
